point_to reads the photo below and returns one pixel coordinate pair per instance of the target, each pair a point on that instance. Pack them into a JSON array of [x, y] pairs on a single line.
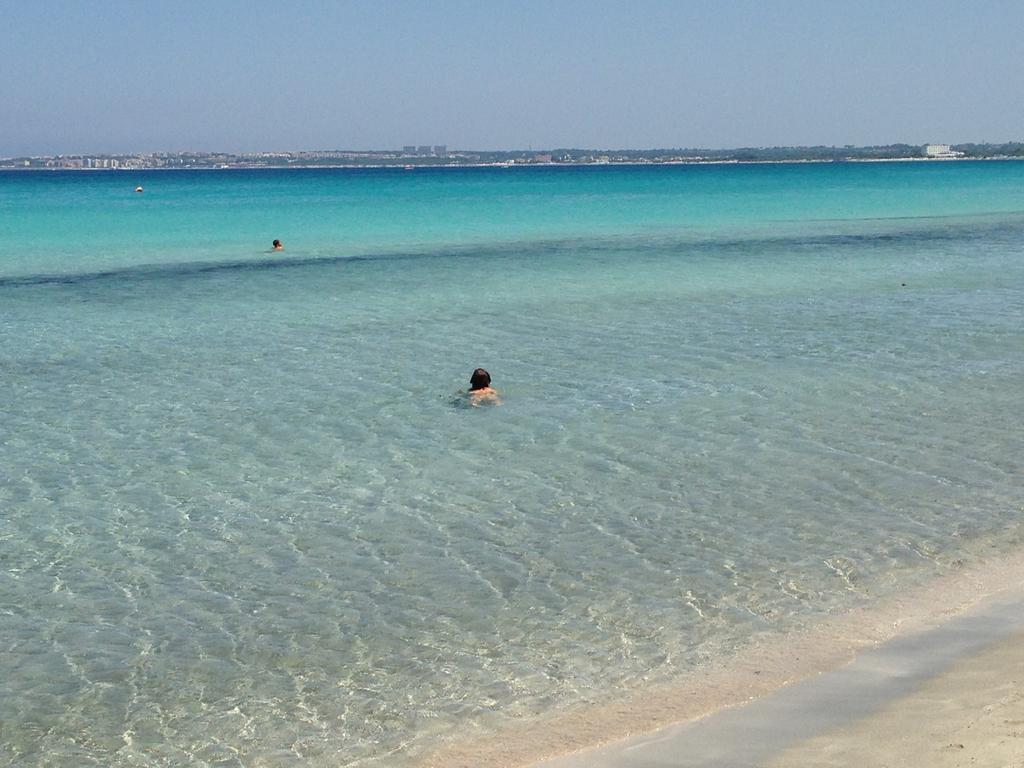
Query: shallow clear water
[[246, 519]]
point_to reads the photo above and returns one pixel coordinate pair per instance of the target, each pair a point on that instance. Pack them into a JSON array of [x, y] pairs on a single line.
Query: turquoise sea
[[246, 519]]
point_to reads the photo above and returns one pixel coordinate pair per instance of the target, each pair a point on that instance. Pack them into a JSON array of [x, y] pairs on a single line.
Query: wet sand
[[971, 715], [949, 696], [933, 677]]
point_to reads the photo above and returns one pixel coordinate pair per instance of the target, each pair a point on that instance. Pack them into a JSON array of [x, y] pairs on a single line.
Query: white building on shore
[[940, 151]]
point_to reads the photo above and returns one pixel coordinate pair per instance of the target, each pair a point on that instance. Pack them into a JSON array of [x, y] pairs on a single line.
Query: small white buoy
[[138, 189]]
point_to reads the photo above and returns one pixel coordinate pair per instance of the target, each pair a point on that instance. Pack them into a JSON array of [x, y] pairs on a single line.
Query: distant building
[[440, 150], [409, 149], [941, 151], [423, 149]]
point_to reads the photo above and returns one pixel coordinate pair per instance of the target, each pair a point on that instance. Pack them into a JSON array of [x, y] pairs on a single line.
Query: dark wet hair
[[276, 243], [480, 379]]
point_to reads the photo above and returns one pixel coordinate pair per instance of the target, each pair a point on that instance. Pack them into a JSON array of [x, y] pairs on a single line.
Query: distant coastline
[[455, 166], [439, 157]]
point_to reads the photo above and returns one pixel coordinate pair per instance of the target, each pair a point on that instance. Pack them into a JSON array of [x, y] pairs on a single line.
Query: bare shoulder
[[487, 395]]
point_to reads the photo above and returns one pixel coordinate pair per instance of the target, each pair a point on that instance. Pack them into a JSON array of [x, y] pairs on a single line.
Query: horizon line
[[526, 150]]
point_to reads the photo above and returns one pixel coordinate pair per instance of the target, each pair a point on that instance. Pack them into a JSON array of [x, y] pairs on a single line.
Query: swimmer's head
[[480, 379], [277, 245]]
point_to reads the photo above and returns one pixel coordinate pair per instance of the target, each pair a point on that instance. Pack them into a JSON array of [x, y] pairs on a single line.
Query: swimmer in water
[[278, 245], [480, 389]]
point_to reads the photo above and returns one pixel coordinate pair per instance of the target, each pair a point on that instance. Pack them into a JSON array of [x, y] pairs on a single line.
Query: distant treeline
[[767, 154], [1013, 149], [1009, 149]]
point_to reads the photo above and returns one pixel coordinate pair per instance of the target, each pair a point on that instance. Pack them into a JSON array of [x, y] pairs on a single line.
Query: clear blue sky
[[104, 76]]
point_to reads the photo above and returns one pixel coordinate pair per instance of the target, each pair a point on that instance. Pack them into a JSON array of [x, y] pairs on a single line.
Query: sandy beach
[[947, 697], [972, 714], [932, 678]]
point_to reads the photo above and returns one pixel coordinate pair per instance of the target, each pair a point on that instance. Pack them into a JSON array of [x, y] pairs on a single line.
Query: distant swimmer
[[278, 245], [480, 389], [138, 189]]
